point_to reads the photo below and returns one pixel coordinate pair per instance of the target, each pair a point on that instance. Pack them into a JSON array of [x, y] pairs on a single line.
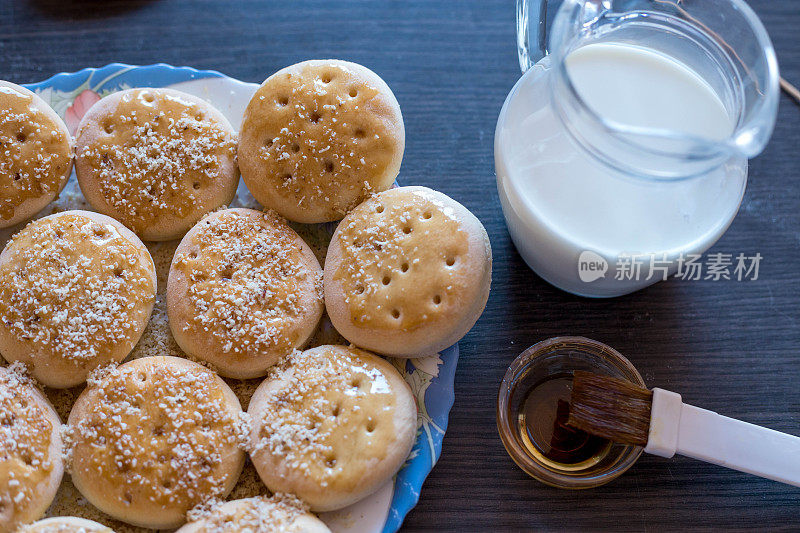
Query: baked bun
[[153, 438], [31, 463], [407, 272], [157, 160], [257, 515], [36, 154], [318, 137], [76, 292], [331, 425], [244, 290], [65, 524]]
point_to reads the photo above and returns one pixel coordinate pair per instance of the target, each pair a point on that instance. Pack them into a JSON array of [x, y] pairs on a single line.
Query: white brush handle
[[687, 430]]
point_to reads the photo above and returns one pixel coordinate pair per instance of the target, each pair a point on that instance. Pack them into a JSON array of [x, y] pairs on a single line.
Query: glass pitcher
[[621, 153]]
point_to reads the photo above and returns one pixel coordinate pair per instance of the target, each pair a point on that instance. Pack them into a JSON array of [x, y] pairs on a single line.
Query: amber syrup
[[544, 431]]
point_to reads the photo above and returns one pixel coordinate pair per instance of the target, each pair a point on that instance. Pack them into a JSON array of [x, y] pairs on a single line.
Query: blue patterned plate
[[430, 378]]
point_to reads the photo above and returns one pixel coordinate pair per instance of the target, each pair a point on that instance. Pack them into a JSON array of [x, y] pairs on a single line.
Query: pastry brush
[[625, 413]]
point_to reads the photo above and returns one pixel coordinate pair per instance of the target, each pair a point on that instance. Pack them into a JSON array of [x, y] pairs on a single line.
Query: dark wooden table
[[729, 346]]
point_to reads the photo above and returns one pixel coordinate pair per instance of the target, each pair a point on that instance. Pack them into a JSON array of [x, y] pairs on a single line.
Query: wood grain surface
[[728, 346]]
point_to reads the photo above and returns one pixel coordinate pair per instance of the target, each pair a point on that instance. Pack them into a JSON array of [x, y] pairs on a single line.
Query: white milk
[[560, 201], [637, 86]]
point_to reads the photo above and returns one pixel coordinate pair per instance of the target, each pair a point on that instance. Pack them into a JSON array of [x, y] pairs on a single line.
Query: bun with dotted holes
[[65, 524], [259, 514], [31, 463], [318, 137], [157, 160], [37, 154], [244, 290], [153, 438], [76, 292], [331, 425], [407, 272]]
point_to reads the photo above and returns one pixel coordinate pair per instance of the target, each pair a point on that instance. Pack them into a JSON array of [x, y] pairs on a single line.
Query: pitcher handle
[[531, 32], [535, 20]]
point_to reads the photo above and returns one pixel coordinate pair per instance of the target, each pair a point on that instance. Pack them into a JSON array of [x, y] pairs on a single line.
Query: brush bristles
[[611, 408]]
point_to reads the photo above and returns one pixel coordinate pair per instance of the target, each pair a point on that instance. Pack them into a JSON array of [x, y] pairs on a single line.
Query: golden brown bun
[[257, 515], [331, 426], [153, 438], [157, 160], [77, 289], [65, 524], [318, 137], [244, 290], [407, 272], [37, 154], [31, 463]]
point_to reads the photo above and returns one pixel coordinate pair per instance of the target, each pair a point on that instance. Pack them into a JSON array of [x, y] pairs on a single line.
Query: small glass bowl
[[561, 356]]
